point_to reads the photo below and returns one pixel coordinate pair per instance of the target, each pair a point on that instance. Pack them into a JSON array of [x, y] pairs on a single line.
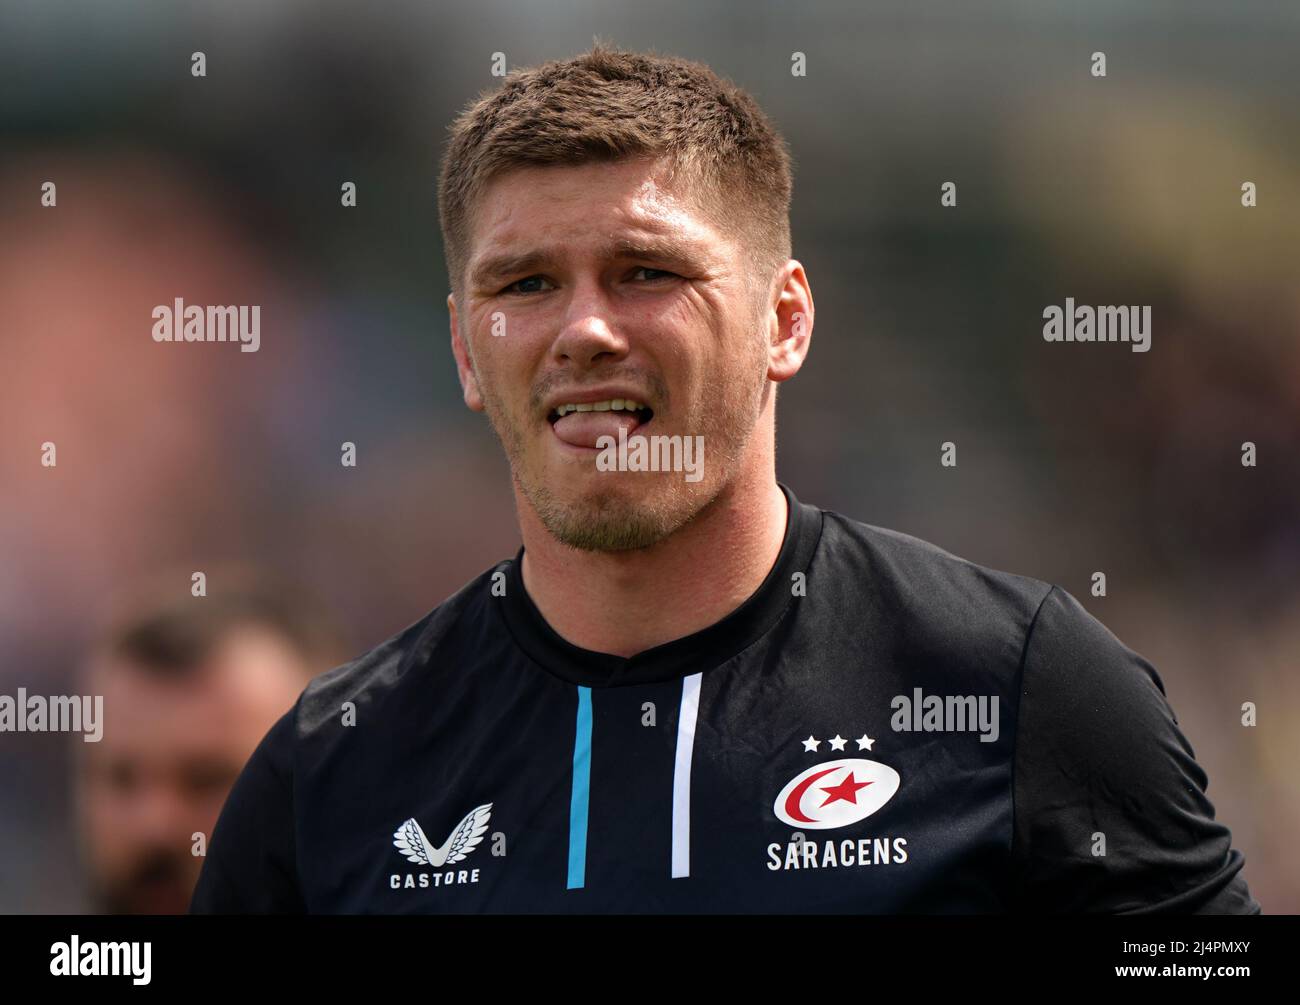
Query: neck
[[627, 602]]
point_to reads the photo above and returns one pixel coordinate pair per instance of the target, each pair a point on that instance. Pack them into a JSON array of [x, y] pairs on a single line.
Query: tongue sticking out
[[582, 429]]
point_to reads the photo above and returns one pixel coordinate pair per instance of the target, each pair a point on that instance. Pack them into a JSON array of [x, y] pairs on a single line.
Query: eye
[[521, 285], [202, 778], [122, 776], [655, 274]]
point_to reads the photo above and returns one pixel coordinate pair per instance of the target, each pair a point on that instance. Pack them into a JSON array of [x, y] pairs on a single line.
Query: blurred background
[[1072, 458]]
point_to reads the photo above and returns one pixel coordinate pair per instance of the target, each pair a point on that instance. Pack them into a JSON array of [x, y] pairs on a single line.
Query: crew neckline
[[699, 651]]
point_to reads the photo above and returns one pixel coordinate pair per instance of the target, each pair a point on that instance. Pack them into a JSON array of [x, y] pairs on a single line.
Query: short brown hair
[[609, 105], [169, 634]]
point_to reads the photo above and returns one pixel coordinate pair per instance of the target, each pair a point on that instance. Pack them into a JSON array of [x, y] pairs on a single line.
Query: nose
[[590, 333]]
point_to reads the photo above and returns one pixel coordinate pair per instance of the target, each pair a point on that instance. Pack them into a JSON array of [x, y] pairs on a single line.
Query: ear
[[464, 367], [790, 320]]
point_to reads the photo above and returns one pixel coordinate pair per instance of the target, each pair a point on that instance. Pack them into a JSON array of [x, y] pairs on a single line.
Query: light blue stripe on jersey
[[581, 789], [682, 776]]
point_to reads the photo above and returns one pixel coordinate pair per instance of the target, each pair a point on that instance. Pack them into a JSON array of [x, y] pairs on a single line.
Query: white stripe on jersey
[[682, 776]]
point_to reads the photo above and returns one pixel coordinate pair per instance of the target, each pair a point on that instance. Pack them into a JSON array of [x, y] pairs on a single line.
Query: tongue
[[581, 429]]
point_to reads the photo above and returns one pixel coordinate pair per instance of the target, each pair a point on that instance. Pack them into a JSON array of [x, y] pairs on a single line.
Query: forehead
[[588, 206], [248, 680]]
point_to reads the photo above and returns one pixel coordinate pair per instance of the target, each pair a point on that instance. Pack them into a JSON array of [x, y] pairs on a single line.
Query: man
[[189, 687], [690, 692]]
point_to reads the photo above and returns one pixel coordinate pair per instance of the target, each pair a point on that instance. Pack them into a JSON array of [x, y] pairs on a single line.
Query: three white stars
[[837, 742]]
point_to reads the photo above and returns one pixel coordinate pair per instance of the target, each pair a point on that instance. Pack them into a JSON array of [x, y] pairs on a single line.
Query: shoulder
[[1111, 805], [380, 671], [1081, 685], [911, 567], [942, 602]]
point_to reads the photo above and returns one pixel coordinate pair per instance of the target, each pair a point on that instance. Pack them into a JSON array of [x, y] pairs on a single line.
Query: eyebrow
[[666, 250]]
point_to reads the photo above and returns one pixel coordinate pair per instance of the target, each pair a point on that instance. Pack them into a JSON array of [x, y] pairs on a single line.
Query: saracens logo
[[836, 793]]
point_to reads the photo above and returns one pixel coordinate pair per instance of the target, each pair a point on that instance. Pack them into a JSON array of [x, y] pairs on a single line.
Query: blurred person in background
[[190, 685]]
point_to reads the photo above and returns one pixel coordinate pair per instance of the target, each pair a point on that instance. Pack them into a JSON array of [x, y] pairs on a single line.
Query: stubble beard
[[624, 518]]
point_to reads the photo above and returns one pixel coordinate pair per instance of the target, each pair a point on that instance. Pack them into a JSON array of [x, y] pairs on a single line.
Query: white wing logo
[[409, 839]]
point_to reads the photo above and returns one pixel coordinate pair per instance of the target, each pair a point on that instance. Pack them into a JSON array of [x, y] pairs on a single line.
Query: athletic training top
[[881, 728]]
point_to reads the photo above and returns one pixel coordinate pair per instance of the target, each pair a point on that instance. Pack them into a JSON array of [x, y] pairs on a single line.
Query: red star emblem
[[846, 790]]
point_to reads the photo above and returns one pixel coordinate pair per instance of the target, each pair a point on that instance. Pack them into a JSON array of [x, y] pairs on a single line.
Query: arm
[[1100, 763], [251, 865]]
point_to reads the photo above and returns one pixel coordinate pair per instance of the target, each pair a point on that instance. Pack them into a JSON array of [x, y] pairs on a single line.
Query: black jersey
[[881, 728]]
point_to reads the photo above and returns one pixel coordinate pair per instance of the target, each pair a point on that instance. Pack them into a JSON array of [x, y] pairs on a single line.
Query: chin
[[610, 511]]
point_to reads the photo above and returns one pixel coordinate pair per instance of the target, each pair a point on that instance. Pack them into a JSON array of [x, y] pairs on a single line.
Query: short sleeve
[[251, 865], [1111, 813]]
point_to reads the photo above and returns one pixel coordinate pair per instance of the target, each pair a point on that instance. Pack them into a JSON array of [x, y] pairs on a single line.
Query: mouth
[[581, 424]]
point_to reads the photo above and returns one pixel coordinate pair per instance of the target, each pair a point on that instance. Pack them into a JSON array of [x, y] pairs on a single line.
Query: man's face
[[602, 283], [170, 752]]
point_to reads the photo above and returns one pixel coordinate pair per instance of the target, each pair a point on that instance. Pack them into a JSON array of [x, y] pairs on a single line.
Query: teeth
[[616, 405]]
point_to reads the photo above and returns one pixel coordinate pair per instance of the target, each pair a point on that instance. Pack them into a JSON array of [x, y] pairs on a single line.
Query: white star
[[837, 742], [811, 743], [865, 742]]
